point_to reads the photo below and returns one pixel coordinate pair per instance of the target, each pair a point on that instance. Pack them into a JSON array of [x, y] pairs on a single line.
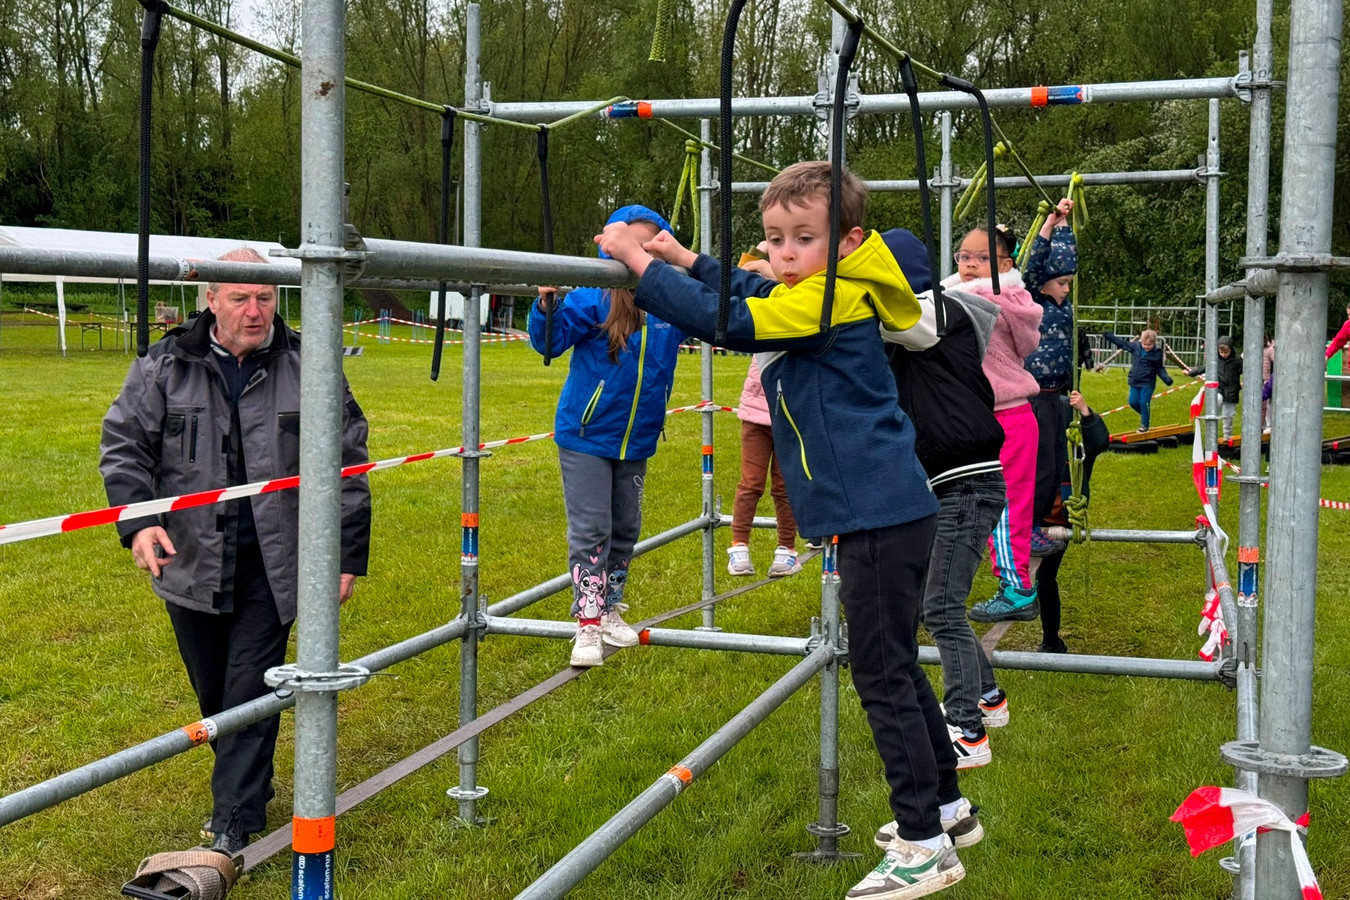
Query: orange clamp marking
[[707, 449], [1221, 585], [1249, 554], [1040, 96], [198, 733], [313, 835], [682, 773], [468, 520], [644, 109], [644, 637]]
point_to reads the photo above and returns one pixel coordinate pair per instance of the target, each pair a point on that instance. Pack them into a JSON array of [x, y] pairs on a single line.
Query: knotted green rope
[[971, 194], [688, 185], [1043, 210], [665, 17]]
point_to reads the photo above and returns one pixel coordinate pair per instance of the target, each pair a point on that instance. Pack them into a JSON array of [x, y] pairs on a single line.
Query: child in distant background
[[1016, 334], [1229, 377], [757, 461], [1147, 368]]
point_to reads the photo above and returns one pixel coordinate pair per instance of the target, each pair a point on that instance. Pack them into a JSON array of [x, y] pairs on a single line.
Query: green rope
[[689, 135], [1043, 210], [665, 18], [1076, 507], [971, 195], [688, 185], [1017, 159]]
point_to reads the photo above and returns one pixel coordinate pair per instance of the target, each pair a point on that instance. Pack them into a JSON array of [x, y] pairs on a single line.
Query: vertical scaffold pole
[[1308, 187], [827, 828], [1211, 314], [469, 792], [945, 194], [1249, 490], [321, 135], [706, 362]]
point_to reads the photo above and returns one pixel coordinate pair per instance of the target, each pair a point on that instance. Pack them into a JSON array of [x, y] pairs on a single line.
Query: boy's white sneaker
[[738, 560], [586, 647], [963, 827], [910, 870], [614, 630]]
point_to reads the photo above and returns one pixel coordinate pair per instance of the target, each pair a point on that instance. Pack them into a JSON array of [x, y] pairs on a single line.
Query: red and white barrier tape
[[428, 324], [1324, 504], [492, 339], [1171, 390], [36, 528]]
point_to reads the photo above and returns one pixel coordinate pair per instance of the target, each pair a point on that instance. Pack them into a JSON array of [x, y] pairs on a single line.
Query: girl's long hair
[[624, 317], [623, 321]]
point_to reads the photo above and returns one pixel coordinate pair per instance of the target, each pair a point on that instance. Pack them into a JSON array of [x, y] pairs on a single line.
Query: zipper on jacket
[[637, 392], [590, 408], [192, 441], [782, 405]]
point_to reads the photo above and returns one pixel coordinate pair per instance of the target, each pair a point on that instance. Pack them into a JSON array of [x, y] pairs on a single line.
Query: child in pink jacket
[[1016, 335], [757, 461]]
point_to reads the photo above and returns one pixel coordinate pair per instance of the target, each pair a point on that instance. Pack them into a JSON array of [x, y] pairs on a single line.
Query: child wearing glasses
[[1016, 334]]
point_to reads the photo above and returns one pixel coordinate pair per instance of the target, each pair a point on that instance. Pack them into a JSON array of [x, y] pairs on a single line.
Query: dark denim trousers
[[969, 510], [881, 575]]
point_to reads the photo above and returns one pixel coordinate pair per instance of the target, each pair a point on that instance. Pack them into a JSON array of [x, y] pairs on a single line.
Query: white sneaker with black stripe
[[963, 827], [910, 870], [972, 751]]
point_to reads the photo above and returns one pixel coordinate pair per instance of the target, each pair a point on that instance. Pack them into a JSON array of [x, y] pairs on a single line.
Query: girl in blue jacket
[[610, 414], [1144, 373]]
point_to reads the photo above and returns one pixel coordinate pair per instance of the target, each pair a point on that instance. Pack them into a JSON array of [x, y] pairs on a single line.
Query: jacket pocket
[[589, 412], [181, 425], [801, 444]]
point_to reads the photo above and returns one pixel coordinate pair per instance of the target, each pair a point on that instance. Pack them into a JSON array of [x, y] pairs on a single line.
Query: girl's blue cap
[[636, 213]]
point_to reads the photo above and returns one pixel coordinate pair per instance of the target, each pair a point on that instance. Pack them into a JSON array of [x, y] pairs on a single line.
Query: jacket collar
[[194, 340]]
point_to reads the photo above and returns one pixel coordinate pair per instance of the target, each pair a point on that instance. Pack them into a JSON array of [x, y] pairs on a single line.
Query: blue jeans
[[1141, 398], [968, 510]]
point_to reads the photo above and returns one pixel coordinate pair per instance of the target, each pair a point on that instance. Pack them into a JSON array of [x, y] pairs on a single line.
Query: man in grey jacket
[[214, 404]]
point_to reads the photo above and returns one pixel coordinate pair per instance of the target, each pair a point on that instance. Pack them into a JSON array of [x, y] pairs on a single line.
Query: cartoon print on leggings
[[588, 590]]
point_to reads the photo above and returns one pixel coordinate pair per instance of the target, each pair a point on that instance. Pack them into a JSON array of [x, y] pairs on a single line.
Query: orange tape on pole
[[468, 520], [1040, 96], [313, 835], [198, 733], [682, 773], [1249, 554]]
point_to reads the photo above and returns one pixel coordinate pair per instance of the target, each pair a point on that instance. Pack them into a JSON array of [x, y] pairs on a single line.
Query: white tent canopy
[[69, 239]]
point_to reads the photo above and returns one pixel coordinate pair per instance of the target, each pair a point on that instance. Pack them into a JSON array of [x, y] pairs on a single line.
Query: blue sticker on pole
[[312, 876], [1066, 95], [1247, 579]]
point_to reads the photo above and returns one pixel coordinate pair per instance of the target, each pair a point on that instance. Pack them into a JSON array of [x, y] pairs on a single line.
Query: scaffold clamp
[[1318, 762], [291, 677], [1296, 262]]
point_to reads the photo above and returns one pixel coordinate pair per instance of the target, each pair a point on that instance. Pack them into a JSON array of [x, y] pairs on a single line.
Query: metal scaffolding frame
[[1273, 749]]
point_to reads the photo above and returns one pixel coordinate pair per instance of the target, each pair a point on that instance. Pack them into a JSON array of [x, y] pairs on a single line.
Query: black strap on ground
[[546, 234], [911, 88], [846, 54], [966, 87], [728, 138], [264, 849], [447, 143], [150, 29]]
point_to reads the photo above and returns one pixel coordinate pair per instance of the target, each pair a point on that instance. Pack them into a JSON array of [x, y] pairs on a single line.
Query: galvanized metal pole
[[568, 872], [706, 362], [827, 828], [319, 545], [1249, 488], [945, 181], [469, 792], [1295, 454]]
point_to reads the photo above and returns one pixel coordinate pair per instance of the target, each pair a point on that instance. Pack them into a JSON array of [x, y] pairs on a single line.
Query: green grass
[[1075, 803]]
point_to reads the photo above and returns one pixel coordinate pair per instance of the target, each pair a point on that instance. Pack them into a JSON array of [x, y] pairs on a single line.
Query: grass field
[[1075, 803]]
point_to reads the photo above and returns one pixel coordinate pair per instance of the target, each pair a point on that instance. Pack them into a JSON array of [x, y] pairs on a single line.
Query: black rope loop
[[448, 117], [846, 54]]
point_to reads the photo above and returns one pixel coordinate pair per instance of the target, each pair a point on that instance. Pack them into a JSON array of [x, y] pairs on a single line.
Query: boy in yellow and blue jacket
[[847, 454]]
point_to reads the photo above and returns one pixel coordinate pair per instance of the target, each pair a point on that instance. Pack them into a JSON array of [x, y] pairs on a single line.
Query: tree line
[[226, 156]]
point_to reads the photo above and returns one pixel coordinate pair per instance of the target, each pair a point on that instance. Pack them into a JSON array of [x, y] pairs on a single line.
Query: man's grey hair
[[238, 254]]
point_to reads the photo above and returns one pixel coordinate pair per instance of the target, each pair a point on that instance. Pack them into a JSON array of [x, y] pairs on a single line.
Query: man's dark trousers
[[226, 656]]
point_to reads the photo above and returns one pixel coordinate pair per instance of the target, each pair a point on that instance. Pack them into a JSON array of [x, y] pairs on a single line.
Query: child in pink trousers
[[1016, 335]]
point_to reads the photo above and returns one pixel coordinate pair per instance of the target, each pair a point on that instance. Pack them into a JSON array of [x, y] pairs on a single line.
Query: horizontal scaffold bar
[[1117, 92], [662, 637], [1165, 176]]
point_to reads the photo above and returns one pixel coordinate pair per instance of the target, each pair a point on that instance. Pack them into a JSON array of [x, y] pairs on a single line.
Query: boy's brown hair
[[802, 181]]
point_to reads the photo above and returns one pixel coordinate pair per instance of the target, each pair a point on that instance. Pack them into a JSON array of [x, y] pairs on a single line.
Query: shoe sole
[[616, 642], [995, 719], [741, 574], [586, 662], [783, 574], [960, 841], [923, 888]]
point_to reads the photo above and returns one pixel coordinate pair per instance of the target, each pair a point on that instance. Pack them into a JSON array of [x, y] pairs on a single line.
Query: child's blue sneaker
[[1009, 604]]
